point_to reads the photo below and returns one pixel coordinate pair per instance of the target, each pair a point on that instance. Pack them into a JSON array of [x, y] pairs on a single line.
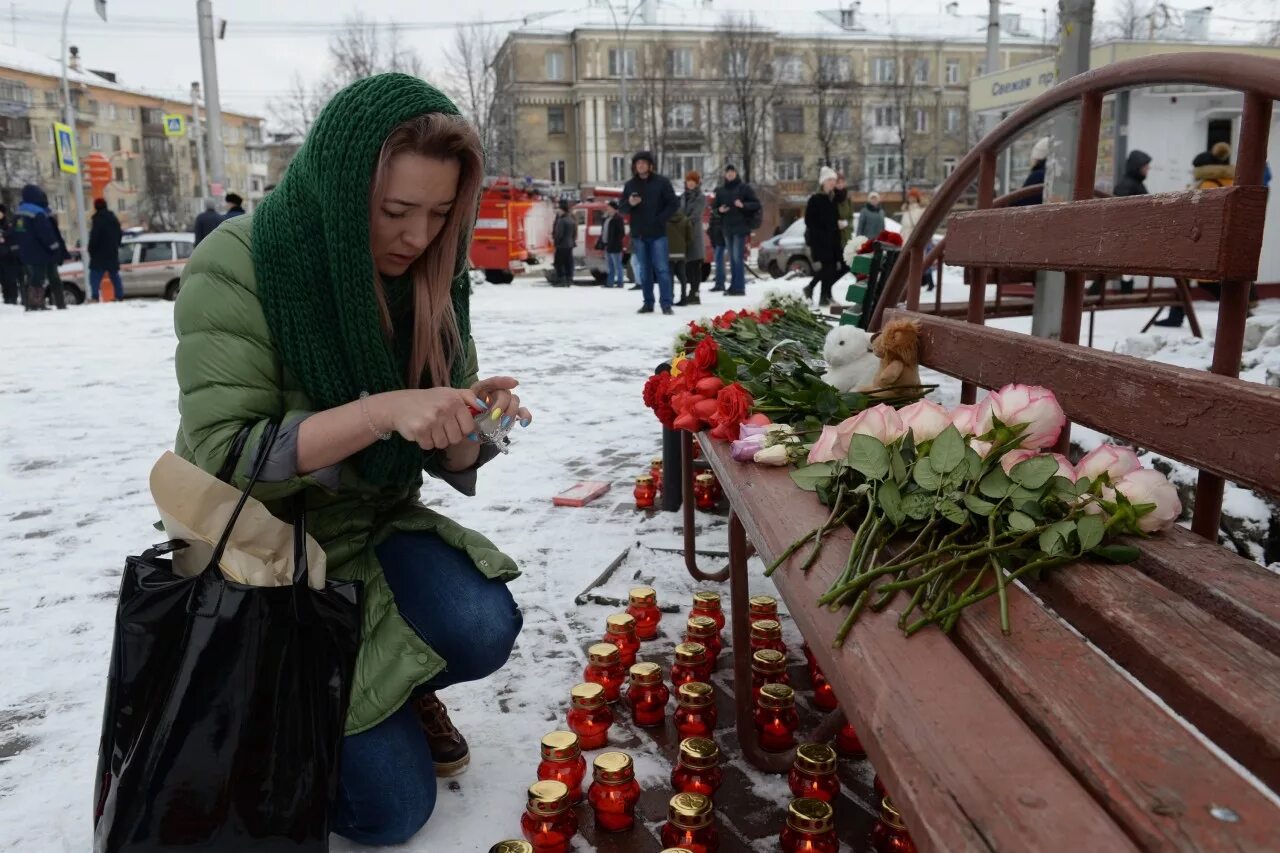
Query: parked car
[[150, 265], [788, 251]]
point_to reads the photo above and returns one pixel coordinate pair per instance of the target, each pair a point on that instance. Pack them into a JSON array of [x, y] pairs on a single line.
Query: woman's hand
[[435, 418], [496, 394]]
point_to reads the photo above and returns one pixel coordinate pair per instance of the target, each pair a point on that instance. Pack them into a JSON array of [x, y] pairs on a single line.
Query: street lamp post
[[69, 116]]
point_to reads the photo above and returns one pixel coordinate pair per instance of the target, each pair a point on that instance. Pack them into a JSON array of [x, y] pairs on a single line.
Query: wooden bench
[[1132, 707]]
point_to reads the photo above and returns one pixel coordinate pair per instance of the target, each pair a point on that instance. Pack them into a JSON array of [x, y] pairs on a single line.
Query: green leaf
[[1032, 509], [759, 367], [1034, 472], [947, 451], [952, 511], [1083, 485], [978, 505], [869, 457], [996, 484], [898, 467], [810, 476], [952, 480], [1021, 522], [890, 500], [924, 475], [1051, 543], [1116, 553], [1018, 494], [1091, 529], [918, 505], [972, 466]]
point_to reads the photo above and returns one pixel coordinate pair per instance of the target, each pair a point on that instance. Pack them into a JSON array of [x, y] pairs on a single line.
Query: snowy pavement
[[87, 404]]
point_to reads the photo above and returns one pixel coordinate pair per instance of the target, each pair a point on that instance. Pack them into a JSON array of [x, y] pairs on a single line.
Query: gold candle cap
[[763, 604], [604, 653], [818, 759], [699, 753], [706, 598], [702, 626], [769, 660], [809, 815], [512, 846], [643, 596], [695, 694], [657, 460], [766, 629], [646, 673], [690, 811], [891, 815], [705, 478], [587, 695], [777, 696], [691, 653], [548, 798], [620, 623], [560, 746], [677, 850], [613, 768], [644, 480]]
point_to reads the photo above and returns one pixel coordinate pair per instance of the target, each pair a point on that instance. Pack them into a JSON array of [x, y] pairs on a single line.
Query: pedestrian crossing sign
[[174, 125], [65, 144]]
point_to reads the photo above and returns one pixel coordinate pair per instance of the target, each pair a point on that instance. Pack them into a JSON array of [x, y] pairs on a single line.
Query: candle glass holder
[[813, 775], [776, 719], [696, 712], [562, 761], [642, 606], [589, 715], [614, 792], [604, 667], [647, 695], [810, 828], [549, 823], [697, 770]]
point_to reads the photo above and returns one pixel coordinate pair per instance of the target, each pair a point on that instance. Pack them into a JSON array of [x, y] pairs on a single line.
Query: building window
[[730, 117], [884, 69], [115, 143], [919, 168], [833, 68], [557, 171], [15, 90], [95, 141], [921, 123], [736, 63], [119, 174], [790, 68], [981, 69], [555, 120], [619, 169], [680, 117], [922, 70], [679, 165], [788, 119], [948, 166], [620, 61], [113, 112], [135, 146], [50, 97], [615, 116], [680, 62], [133, 113], [884, 164], [838, 118], [953, 72], [886, 115], [790, 169], [555, 65], [953, 120], [841, 165]]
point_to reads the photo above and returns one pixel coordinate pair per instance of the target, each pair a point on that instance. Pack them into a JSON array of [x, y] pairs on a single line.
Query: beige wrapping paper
[[195, 507]]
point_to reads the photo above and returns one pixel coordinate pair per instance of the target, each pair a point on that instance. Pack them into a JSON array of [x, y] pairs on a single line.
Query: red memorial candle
[[647, 695], [549, 822], [620, 629], [589, 715], [813, 775], [692, 664], [604, 667], [776, 718], [810, 828], [691, 825], [562, 761], [642, 606], [695, 709], [615, 792], [697, 770]]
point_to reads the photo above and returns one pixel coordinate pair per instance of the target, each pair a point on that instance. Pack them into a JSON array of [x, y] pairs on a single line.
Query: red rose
[[733, 406], [710, 386], [705, 409], [889, 237], [657, 396], [707, 355], [689, 423]]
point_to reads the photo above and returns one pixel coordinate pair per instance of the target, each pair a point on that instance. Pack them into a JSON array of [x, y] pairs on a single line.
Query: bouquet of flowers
[[952, 507]]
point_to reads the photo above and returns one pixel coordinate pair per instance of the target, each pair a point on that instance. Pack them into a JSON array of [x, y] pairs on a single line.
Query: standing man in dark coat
[[104, 250], [41, 248], [822, 233], [235, 206], [1135, 174], [651, 201], [614, 231], [564, 236], [10, 263], [207, 221], [737, 205]]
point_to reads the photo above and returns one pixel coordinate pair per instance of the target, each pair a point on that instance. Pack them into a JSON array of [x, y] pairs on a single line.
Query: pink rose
[[924, 419], [1013, 457], [1065, 468], [967, 417], [1032, 405], [1148, 486], [1109, 459], [880, 422], [825, 449], [982, 448]]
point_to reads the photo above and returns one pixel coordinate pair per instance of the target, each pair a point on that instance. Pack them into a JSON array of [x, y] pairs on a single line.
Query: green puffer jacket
[[230, 376]]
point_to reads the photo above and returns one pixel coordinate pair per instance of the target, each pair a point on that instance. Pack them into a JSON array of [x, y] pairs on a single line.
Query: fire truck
[[513, 228]]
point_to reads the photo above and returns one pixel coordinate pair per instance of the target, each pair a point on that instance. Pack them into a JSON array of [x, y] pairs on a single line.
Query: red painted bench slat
[[1204, 234], [966, 771], [1216, 423]]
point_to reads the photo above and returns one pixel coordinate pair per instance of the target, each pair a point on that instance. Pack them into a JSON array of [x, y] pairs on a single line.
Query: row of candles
[[550, 822], [706, 489]]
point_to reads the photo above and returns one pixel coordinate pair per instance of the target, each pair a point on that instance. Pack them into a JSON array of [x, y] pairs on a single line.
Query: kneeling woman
[[340, 310]]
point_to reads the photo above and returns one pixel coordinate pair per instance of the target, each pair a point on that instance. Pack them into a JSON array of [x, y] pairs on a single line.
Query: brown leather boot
[[448, 747]]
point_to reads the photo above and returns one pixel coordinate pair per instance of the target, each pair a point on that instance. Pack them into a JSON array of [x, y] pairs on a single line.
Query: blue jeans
[[95, 281], [651, 259], [719, 260], [616, 277], [736, 247], [387, 787]]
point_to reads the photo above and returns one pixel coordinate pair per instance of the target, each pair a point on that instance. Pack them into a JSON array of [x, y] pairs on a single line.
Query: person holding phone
[[650, 200]]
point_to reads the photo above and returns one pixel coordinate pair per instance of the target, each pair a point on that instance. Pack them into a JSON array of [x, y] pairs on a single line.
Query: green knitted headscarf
[[315, 269]]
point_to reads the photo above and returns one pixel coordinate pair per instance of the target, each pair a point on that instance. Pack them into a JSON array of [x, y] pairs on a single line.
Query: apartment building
[[157, 178], [883, 101]]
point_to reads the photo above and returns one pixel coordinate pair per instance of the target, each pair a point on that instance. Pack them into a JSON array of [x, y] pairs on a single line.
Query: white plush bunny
[[850, 361]]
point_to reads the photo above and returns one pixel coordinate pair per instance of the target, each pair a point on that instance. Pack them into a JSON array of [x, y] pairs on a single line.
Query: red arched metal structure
[[1256, 77]]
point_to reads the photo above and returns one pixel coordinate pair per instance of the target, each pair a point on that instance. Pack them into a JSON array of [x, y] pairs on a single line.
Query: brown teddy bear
[[898, 346]]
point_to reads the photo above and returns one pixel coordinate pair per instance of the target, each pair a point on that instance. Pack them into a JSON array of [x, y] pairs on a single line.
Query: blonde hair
[[436, 340]]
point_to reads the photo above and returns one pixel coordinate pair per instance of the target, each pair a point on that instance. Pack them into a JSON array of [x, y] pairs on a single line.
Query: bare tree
[[835, 87], [472, 82], [296, 111], [658, 90], [905, 99], [1133, 19], [751, 87]]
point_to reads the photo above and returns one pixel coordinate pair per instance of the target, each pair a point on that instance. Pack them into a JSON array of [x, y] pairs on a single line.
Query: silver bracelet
[[382, 436]]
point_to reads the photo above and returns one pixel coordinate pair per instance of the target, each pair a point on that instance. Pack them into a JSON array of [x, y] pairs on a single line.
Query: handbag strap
[[268, 439], [300, 565]]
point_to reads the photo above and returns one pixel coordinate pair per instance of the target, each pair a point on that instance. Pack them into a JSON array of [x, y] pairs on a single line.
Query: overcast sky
[[153, 43]]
